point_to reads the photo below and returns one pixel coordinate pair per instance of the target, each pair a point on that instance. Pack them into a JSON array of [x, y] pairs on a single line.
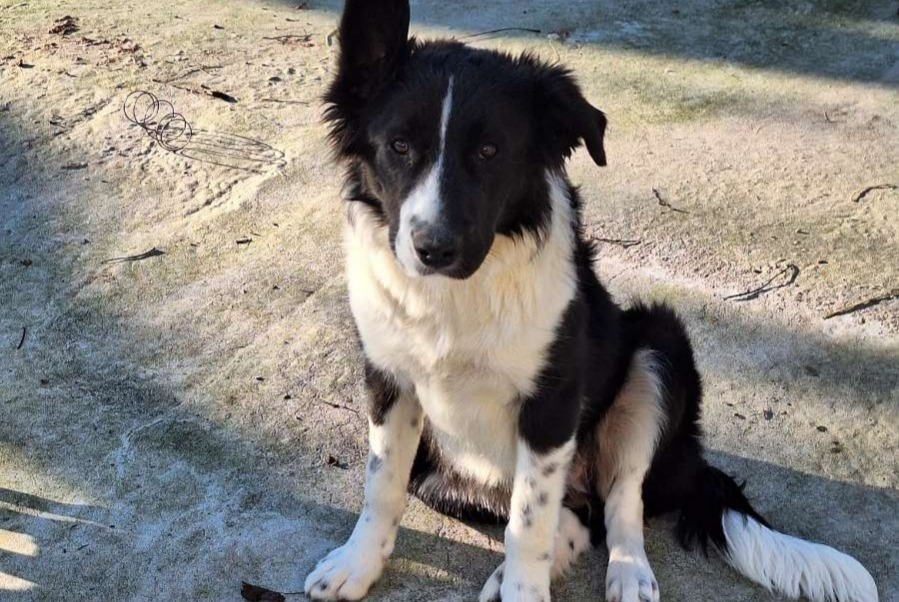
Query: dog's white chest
[[472, 350]]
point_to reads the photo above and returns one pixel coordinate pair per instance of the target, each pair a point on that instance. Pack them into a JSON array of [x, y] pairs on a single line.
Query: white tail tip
[[794, 567]]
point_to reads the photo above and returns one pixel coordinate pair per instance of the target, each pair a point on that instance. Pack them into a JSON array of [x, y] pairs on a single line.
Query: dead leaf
[[333, 461], [127, 45], [64, 26], [255, 593]]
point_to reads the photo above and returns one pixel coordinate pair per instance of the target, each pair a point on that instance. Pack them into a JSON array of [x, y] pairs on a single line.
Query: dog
[[504, 382]]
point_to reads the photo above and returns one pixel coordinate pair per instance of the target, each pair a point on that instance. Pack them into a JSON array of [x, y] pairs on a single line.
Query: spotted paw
[[345, 574], [631, 580], [503, 587]]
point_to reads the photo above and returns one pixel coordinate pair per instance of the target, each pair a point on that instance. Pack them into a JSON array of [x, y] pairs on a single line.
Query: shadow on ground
[[850, 40]]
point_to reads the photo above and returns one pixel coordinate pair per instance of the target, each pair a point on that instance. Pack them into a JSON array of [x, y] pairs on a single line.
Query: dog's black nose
[[436, 248]]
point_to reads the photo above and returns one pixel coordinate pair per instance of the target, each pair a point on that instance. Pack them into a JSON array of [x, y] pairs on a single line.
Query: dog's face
[[450, 145]]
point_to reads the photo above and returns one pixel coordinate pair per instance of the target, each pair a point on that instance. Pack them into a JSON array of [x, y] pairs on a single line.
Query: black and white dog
[[505, 384]]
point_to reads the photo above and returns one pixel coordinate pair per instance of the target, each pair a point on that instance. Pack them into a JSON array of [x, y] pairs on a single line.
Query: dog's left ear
[[568, 118]]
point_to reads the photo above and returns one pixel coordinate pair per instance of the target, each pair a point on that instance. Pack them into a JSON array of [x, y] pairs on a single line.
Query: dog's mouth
[[453, 272]]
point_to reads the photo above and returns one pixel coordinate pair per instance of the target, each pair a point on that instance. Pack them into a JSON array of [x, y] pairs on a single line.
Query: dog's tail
[[717, 512]]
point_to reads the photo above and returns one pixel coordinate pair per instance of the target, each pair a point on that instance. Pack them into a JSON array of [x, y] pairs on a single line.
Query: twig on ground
[[201, 91], [665, 203], [204, 69], [288, 102], [893, 294], [621, 242], [501, 30], [154, 252], [287, 38], [865, 191], [755, 293], [337, 406], [22, 340]]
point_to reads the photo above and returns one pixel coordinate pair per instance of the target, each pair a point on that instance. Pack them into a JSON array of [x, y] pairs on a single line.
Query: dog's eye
[[487, 151], [400, 145]]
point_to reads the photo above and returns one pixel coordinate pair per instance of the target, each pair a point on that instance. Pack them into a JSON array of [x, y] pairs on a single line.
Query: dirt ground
[[173, 424]]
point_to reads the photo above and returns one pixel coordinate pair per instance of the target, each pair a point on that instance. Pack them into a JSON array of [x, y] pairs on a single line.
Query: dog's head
[[450, 145]]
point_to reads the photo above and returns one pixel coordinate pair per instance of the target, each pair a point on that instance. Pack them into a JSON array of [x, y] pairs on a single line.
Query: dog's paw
[[501, 587], [631, 580], [345, 574], [490, 591]]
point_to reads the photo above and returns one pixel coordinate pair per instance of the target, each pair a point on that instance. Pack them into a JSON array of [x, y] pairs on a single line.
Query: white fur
[[794, 567], [638, 408], [349, 571], [423, 204], [470, 349], [531, 535]]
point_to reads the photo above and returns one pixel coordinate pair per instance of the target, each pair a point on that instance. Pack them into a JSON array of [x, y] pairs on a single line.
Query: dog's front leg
[[546, 444], [395, 423], [530, 536]]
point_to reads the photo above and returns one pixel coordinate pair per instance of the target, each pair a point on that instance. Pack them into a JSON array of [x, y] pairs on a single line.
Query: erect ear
[[374, 42], [568, 118]]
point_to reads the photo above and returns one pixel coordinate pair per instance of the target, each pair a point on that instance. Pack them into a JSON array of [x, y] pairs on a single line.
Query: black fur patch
[[549, 417], [382, 393]]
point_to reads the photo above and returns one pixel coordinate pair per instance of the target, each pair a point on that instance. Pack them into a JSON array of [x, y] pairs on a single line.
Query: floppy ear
[[568, 118], [374, 42]]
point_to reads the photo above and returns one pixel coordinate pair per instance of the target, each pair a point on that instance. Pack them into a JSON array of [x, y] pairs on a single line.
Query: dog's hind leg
[[627, 438], [395, 423], [572, 539]]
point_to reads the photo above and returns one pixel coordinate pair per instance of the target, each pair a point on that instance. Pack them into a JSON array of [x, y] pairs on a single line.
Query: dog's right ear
[[374, 43]]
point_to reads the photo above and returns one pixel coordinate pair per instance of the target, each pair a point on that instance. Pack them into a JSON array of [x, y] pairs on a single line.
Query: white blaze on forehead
[[445, 115], [423, 204]]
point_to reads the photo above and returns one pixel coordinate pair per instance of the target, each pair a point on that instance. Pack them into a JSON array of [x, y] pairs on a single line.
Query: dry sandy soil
[[173, 425]]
